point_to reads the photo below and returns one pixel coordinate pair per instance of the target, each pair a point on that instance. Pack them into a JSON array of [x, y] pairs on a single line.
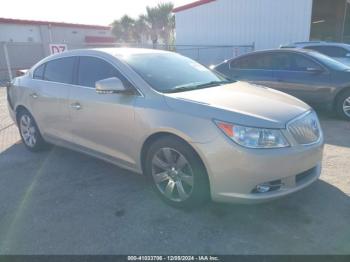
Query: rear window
[[60, 70]]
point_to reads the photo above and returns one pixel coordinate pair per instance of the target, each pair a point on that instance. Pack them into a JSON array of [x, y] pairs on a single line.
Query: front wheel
[[29, 132], [343, 105], [177, 173]]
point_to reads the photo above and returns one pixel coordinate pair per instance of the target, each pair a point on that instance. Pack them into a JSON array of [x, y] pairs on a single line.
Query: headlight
[[253, 137]]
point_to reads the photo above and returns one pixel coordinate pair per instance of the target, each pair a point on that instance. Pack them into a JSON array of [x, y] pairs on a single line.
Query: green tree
[[123, 29], [161, 22], [157, 23], [141, 29]]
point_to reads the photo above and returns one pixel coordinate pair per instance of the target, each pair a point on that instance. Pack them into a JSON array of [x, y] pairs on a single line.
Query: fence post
[[7, 59]]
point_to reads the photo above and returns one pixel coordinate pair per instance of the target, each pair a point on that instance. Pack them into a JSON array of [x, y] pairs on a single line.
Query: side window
[[246, 62], [39, 72], [302, 63], [259, 61], [92, 69], [264, 61], [281, 61], [332, 51], [60, 70]]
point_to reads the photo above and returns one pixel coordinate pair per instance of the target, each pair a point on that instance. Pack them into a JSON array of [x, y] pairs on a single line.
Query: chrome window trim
[[86, 87], [301, 117]]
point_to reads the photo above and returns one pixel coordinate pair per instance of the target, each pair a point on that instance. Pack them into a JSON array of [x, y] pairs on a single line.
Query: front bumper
[[234, 171]]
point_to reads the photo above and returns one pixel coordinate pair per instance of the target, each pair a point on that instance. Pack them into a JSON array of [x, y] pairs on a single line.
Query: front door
[[103, 124], [302, 77]]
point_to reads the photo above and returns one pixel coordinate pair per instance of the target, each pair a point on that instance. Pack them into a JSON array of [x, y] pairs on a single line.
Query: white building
[[16, 30], [25, 42], [266, 23]]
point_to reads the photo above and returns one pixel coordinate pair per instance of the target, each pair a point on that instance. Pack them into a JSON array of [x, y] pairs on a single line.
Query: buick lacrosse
[[193, 133]]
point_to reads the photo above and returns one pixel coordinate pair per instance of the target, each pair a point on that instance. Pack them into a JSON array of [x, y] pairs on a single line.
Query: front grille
[[305, 129]]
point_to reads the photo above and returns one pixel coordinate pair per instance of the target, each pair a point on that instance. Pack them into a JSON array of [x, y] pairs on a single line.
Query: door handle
[[34, 95], [76, 106]]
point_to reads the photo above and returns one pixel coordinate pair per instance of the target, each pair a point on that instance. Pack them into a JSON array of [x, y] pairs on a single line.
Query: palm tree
[[154, 25], [167, 21], [158, 23], [161, 22], [141, 29], [123, 29]]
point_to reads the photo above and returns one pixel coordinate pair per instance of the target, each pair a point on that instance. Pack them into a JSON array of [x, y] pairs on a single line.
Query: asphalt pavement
[[62, 202]]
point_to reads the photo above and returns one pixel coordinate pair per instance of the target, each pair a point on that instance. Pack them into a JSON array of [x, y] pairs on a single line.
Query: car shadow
[[63, 202], [336, 130]]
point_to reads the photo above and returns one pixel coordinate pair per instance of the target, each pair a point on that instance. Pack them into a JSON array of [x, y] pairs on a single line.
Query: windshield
[[170, 72], [330, 62]]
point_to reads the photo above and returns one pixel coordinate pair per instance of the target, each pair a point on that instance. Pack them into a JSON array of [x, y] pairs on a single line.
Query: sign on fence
[[57, 48]]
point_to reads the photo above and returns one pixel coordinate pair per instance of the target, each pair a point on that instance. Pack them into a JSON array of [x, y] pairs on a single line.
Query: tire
[[343, 105], [177, 174], [29, 131]]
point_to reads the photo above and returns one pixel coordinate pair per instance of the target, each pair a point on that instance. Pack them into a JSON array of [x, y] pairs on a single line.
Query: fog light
[[263, 188]]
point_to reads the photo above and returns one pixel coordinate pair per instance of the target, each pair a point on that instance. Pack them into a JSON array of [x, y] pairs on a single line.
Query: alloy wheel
[[28, 130], [172, 174], [346, 106]]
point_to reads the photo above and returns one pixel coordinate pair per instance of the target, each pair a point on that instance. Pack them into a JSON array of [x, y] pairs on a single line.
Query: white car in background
[[337, 51]]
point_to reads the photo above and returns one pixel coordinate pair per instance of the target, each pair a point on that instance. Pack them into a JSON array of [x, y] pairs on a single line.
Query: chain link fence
[[16, 56]]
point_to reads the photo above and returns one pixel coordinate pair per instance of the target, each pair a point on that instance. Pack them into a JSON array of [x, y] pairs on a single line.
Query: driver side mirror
[[111, 85]]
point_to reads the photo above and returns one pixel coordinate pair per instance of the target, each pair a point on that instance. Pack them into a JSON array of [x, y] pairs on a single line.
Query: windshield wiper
[[214, 83], [190, 87]]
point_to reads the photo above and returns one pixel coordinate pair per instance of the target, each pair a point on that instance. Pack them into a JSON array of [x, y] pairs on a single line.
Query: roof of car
[[314, 43], [281, 50], [114, 51], [293, 50]]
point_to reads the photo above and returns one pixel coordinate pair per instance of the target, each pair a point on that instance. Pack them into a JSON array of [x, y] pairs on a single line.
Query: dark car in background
[[308, 75], [337, 51]]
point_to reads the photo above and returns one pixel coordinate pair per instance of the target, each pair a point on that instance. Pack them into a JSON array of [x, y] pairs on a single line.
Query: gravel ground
[[63, 202]]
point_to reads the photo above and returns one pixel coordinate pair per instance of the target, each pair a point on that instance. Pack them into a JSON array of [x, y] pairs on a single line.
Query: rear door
[[49, 100], [301, 76], [254, 68]]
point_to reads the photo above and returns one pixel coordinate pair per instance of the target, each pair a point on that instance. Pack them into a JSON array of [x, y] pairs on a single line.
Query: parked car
[[184, 126], [308, 75], [338, 51]]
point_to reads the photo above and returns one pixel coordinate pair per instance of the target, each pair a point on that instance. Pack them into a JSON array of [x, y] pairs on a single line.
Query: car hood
[[240, 103]]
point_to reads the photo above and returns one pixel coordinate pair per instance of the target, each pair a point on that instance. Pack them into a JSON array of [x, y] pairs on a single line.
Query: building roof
[[47, 23], [192, 5]]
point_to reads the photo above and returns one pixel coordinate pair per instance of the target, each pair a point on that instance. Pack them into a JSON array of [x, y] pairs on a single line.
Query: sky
[[96, 12]]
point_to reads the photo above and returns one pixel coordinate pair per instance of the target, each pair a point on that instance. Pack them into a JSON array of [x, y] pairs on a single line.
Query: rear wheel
[[177, 173], [343, 105], [29, 132]]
